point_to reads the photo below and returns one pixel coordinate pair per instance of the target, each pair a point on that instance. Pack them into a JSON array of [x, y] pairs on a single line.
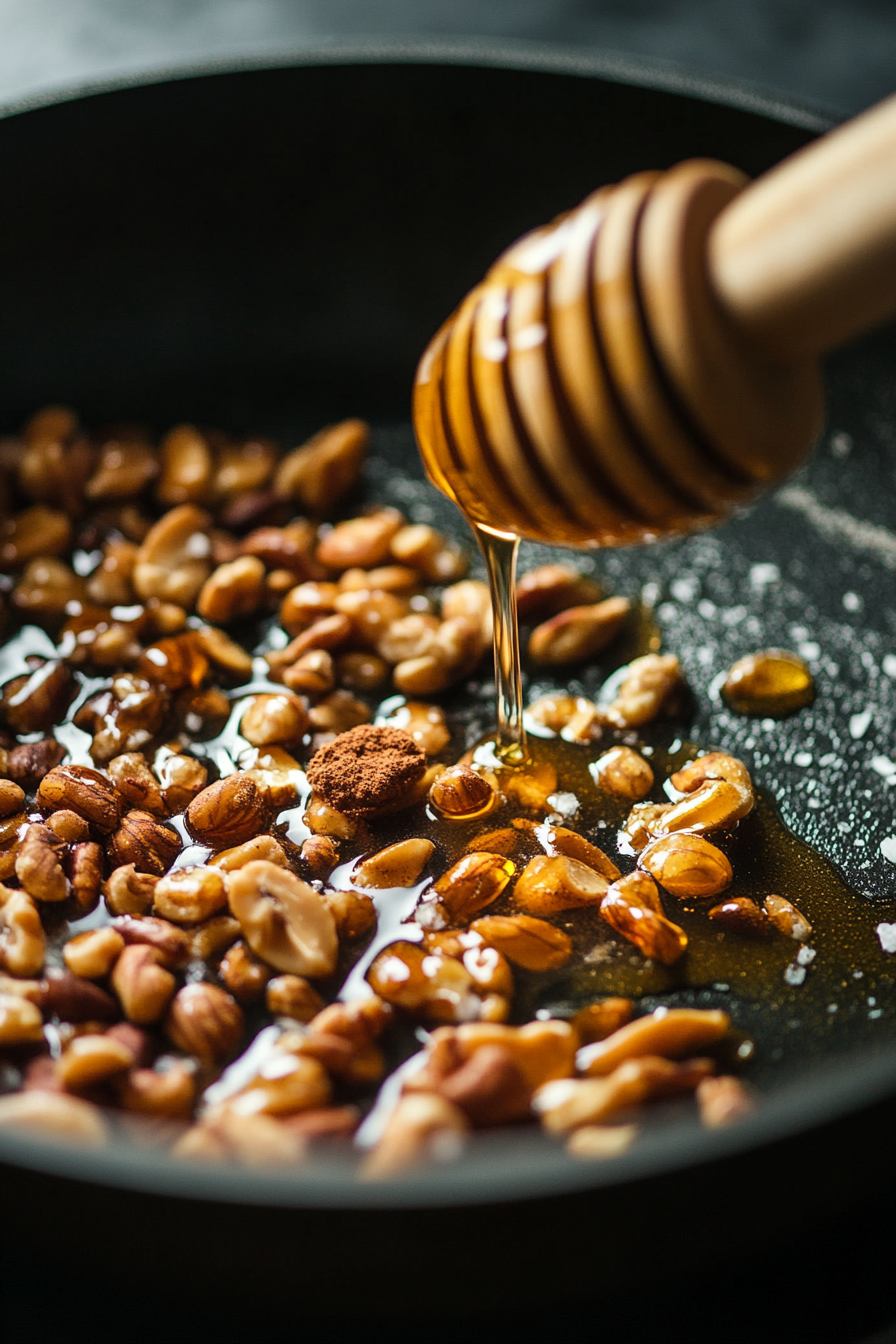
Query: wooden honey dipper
[[650, 360]]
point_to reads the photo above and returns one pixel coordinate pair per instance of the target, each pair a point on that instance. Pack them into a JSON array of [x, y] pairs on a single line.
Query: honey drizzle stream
[[500, 551]]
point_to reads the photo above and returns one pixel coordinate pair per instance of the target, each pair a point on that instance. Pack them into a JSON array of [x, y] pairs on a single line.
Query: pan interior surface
[[271, 250]]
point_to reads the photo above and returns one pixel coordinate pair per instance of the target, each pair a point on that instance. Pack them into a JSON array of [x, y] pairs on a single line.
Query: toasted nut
[[600, 1020], [503, 841], [286, 1083], [38, 531], [687, 865], [573, 1102], [33, 702], [715, 807], [190, 895], [770, 683], [423, 1127], [39, 866], [129, 892], [461, 794], [139, 1042], [232, 591], [436, 987], [531, 943], [424, 723], [623, 772], [149, 844], [274, 720], [320, 855], [222, 652], [488, 967], [578, 633], [489, 1087], [328, 1123], [284, 920], [74, 999], [375, 617], [643, 823], [714, 765], [722, 1101], [144, 988], [84, 868], [31, 761], [325, 820], [166, 1096], [210, 939], [277, 774], [94, 953], [243, 974], [182, 777], [314, 673], [243, 469], [205, 1021], [556, 840], [530, 785], [20, 1021], [228, 813], [21, 989], [325, 468], [136, 783], [292, 996], [172, 944], [306, 605], [284, 548], [398, 865], [123, 470], [175, 663], [471, 600], [186, 467], [250, 1140], [55, 1116], [384, 578], [586, 725], [652, 686], [554, 711], [542, 1050], [670, 1032], [46, 588], [360, 671], [353, 912], [92, 1059], [787, 919], [631, 907], [262, 847], [548, 885], [111, 585], [472, 883], [743, 916], [551, 589], [360, 542], [174, 560], [338, 712], [416, 544], [596, 1143], [79, 789]]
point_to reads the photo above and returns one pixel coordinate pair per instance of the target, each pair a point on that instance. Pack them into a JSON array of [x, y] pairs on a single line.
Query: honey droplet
[[770, 683]]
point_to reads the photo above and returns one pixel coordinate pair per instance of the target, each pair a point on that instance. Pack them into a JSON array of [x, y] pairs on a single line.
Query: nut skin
[[243, 974], [149, 844], [84, 868], [228, 813], [632, 907], [79, 789], [182, 777], [190, 895], [31, 761], [73, 999], [531, 943], [462, 794], [292, 996], [171, 943], [489, 1088], [623, 772], [275, 720], [35, 701], [143, 986], [742, 916], [205, 1021], [131, 775]]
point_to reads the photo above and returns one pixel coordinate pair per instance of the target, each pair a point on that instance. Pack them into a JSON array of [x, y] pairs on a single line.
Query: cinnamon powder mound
[[364, 769]]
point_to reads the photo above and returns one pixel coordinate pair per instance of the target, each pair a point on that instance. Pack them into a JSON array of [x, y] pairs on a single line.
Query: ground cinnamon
[[366, 768]]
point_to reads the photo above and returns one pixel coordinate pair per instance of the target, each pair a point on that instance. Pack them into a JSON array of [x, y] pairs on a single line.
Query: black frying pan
[[272, 249]]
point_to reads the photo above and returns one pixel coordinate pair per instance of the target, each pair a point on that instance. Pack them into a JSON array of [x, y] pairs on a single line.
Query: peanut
[[46, 588], [548, 885], [185, 460], [674, 1032], [262, 847], [423, 1126], [624, 773], [251, 1140], [274, 720], [210, 939], [438, 988], [111, 585], [314, 673], [599, 1142], [573, 1102], [743, 916], [20, 1021], [129, 892], [360, 542], [190, 895], [550, 589], [769, 683], [542, 1051], [320, 855], [244, 469], [353, 912], [243, 974], [425, 724], [38, 531], [325, 468], [578, 633], [687, 865], [599, 1020], [232, 591], [92, 1059], [174, 560], [472, 883], [787, 919], [631, 907], [714, 807], [531, 943], [359, 671], [94, 953], [285, 1084], [123, 470], [165, 1096], [284, 921]]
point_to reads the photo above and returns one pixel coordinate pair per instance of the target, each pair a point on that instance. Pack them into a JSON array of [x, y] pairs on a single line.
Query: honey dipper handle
[[805, 258]]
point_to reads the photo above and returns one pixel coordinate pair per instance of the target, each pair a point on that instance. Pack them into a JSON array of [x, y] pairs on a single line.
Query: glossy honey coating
[[562, 402]]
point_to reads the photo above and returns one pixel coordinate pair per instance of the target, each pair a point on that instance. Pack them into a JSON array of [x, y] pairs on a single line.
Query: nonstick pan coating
[[268, 250]]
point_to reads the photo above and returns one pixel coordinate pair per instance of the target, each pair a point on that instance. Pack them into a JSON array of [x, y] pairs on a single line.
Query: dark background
[[833, 54]]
